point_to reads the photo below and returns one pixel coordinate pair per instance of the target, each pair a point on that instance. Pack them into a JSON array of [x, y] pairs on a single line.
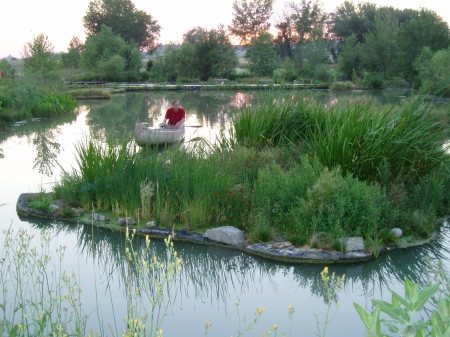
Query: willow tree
[[250, 18]]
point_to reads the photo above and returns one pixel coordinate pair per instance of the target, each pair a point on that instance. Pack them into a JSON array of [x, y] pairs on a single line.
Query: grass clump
[[41, 202]]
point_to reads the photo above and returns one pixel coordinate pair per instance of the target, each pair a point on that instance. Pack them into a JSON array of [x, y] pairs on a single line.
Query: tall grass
[[360, 138]]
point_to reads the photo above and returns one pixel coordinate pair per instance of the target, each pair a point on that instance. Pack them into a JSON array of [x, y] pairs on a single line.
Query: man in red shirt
[[175, 116]]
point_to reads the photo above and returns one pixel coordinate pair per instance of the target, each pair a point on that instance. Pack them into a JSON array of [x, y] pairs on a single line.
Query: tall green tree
[[350, 19], [316, 56], [250, 18], [434, 71], [38, 56], [350, 58], [108, 55], [261, 55], [213, 53], [307, 16], [380, 50], [425, 28], [73, 55], [175, 63], [125, 20]]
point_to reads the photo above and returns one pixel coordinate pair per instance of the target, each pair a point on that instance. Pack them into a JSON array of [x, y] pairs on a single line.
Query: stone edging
[[270, 250]]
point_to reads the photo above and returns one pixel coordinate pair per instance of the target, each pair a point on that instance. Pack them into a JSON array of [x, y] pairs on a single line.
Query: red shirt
[[175, 116]]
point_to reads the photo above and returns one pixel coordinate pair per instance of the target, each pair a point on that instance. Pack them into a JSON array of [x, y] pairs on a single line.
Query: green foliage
[[124, 20], [298, 240], [358, 138], [277, 192], [73, 55], [38, 56], [425, 28], [175, 63], [42, 202], [54, 105], [261, 55], [380, 50], [108, 55], [250, 18], [350, 58], [337, 86], [262, 232], [402, 312], [6, 68], [340, 205], [214, 56], [313, 56], [434, 71]]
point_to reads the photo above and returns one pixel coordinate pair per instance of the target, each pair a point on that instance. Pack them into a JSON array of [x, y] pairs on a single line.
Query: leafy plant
[[401, 312], [41, 202]]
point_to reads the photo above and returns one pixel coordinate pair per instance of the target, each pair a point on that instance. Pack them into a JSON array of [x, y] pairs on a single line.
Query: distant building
[[11, 58]]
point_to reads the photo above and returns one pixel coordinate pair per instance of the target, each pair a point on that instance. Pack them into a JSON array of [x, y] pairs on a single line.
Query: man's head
[[175, 104]]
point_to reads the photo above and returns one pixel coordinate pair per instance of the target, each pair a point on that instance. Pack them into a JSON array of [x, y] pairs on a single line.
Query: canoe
[[160, 136]]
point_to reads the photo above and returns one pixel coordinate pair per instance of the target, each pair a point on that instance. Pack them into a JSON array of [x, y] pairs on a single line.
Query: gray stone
[[77, 211], [126, 222], [151, 224], [397, 232], [226, 234], [99, 217], [281, 245], [352, 244], [53, 207]]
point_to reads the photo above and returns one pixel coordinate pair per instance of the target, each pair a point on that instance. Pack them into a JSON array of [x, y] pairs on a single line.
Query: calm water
[[212, 279]]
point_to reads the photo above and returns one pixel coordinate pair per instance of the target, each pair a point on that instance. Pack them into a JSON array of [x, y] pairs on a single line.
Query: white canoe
[[160, 136]]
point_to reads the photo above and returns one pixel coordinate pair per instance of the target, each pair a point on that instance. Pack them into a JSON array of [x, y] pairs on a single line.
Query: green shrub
[[262, 231], [54, 105], [337, 86], [373, 80], [298, 240], [277, 192], [41, 202], [340, 205]]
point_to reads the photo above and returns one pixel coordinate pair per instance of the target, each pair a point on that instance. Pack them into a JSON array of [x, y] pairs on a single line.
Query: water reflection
[[44, 136], [211, 274]]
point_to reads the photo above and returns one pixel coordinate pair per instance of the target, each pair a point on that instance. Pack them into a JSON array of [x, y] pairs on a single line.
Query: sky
[[60, 20]]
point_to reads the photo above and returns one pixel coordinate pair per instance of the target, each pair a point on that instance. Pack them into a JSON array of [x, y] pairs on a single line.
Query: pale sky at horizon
[[60, 20]]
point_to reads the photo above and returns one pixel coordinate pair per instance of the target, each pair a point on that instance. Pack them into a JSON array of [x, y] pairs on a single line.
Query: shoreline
[[276, 250]]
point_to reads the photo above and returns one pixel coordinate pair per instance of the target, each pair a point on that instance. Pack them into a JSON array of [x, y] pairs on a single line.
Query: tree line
[[358, 42]]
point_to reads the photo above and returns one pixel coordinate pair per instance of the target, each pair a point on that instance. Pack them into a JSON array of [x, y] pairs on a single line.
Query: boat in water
[[159, 136]]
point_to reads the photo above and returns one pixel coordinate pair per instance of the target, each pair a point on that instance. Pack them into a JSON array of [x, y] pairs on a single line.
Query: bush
[[338, 86], [277, 192], [340, 205], [373, 80]]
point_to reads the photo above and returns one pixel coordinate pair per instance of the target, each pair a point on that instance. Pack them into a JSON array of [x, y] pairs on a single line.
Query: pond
[[212, 278]]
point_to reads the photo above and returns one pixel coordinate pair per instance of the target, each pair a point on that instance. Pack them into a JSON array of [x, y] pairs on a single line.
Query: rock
[[151, 224], [226, 234], [126, 222], [53, 207], [77, 211], [98, 217], [281, 245], [352, 244], [397, 232]]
